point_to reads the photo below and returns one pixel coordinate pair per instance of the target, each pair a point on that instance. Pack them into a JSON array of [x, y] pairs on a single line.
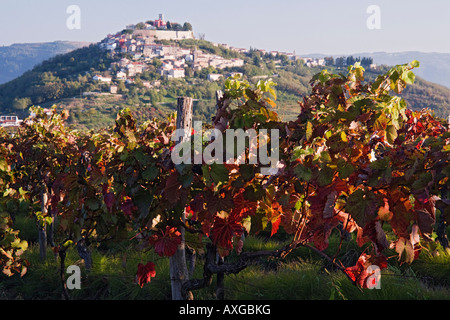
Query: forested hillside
[[20, 57]]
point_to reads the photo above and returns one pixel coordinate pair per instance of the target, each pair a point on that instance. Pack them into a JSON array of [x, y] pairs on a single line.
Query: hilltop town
[[145, 41], [147, 65]]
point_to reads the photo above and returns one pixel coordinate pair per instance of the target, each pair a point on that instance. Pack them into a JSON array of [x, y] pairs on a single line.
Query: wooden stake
[[178, 267]]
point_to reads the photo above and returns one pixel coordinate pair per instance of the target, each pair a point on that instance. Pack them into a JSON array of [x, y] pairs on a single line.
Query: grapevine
[[355, 161]]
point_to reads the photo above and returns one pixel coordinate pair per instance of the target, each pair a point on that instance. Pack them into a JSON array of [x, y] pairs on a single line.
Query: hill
[[94, 82], [434, 66], [20, 57]]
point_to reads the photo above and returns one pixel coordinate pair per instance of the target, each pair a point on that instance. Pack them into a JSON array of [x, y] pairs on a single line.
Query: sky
[[303, 26]]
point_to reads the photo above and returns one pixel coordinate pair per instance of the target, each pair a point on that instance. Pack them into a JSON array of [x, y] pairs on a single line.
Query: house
[[274, 53], [124, 62], [148, 51], [110, 46], [234, 74], [176, 73], [121, 75], [136, 67], [237, 62], [165, 68], [113, 89], [241, 50], [146, 84], [166, 65], [306, 59], [183, 52], [136, 56], [214, 76], [46, 111], [179, 63], [155, 83], [101, 78], [10, 121]]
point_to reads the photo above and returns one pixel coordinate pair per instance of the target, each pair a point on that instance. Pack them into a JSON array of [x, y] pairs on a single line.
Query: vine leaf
[[172, 187], [405, 250], [363, 207], [223, 230], [145, 273], [166, 242], [359, 273]]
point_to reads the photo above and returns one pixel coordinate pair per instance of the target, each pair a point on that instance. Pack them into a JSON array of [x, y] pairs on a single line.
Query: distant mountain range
[[18, 58], [434, 66]]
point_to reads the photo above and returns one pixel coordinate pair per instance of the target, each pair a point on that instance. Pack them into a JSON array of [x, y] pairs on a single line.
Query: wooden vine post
[[178, 267], [41, 225]]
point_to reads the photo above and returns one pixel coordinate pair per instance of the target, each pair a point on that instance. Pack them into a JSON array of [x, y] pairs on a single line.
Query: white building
[[113, 89], [111, 46], [10, 121], [176, 73], [101, 78], [121, 75], [214, 76]]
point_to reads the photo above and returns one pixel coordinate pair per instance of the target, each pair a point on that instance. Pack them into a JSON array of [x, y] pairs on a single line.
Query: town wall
[[165, 34]]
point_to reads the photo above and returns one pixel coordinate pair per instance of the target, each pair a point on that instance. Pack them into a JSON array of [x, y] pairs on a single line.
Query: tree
[[121, 88], [340, 62], [350, 60], [140, 26], [11, 246], [187, 26], [366, 61], [21, 104], [284, 59], [329, 61]]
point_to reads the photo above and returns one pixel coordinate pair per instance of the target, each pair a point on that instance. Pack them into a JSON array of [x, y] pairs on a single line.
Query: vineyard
[[355, 207]]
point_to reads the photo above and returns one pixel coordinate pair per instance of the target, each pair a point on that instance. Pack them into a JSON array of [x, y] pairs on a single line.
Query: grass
[[112, 277], [303, 275]]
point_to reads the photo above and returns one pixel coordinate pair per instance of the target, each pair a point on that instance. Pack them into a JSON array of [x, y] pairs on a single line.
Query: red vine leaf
[[172, 187], [359, 272], [128, 207], [145, 273], [166, 242], [223, 231], [375, 233], [242, 207]]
